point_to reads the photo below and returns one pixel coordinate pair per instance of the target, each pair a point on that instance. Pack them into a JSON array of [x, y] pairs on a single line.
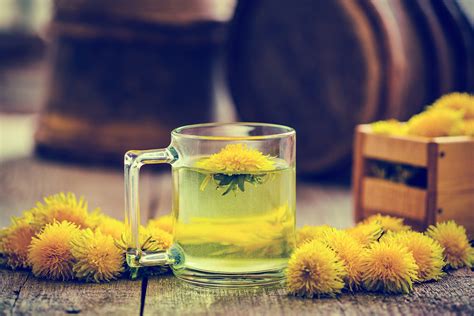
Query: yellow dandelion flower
[[49, 253], [457, 101], [309, 233], [388, 267], [349, 250], [97, 257], [314, 269], [388, 223], [237, 158], [61, 207], [452, 237], [366, 233], [427, 252], [14, 242], [165, 223], [150, 239], [107, 225], [389, 127], [468, 127], [436, 122]]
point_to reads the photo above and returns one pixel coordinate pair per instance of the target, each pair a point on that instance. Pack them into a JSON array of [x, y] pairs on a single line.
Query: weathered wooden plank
[[27, 180], [169, 296], [11, 284], [23, 294]]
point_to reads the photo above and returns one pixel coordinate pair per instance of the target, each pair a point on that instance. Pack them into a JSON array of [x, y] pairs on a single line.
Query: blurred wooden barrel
[[126, 72], [325, 66]]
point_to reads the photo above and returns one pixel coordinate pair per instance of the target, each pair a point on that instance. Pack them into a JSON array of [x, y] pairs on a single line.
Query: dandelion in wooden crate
[[388, 267], [366, 233], [308, 233], [96, 256], [452, 237], [436, 122], [426, 251], [388, 223], [61, 207], [15, 240], [468, 127], [49, 253], [350, 251], [457, 101], [314, 269], [165, 222], [390, 127]]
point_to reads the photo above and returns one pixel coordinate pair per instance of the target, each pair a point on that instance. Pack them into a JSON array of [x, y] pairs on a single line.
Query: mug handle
[[133, 161]]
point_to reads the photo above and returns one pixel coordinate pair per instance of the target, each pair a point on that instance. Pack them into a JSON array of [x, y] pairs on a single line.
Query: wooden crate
[[449, 191]]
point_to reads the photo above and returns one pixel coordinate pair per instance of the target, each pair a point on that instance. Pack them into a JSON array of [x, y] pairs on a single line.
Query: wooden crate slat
[[455, 164], [394, 199], [396, 149], [457, 206]]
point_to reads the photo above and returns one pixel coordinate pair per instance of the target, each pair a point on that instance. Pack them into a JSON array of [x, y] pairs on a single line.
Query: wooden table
[[25, 179]]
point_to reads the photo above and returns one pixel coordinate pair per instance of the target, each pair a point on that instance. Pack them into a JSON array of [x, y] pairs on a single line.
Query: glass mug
[[233, 203]]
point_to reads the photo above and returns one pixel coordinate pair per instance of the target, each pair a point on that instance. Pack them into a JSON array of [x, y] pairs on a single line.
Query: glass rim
[[286, 131]]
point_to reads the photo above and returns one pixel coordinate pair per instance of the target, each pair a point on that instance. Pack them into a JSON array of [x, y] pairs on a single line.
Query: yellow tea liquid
[[234, 223]]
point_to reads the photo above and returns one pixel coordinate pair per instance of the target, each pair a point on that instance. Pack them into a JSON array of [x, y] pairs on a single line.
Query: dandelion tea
[[234, 222]]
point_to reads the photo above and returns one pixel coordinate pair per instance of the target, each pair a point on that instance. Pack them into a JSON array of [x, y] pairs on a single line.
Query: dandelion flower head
[[389, 127], [427, 253], [349, 250], [388, 223], [436, 122], [452, 237], [107, 225], [237, 158], [61, 207], [366, 232], [15, 240], [388, 267], [309, 233], [314, 269], [49, 253], [457, 101], [96, 256]]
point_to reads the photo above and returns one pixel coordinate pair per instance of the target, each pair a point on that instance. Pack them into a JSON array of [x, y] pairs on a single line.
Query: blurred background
[[82, 81]]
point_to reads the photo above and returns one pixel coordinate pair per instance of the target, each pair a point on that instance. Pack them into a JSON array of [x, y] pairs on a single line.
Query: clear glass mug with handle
[[233, 203]]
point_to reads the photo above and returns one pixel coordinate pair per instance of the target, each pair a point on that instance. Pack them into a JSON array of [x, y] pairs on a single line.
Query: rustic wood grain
[[452, 295], [23, 294], [11, 284]]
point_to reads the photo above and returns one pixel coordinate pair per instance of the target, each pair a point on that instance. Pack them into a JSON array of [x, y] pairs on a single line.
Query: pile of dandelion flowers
[[314, 269], [61, 207], [388, 267], [96, 256], [427, 253], [49, 253], [452, 237]]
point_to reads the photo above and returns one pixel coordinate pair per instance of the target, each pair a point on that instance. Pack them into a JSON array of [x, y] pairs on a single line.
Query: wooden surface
[[25, 179]]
